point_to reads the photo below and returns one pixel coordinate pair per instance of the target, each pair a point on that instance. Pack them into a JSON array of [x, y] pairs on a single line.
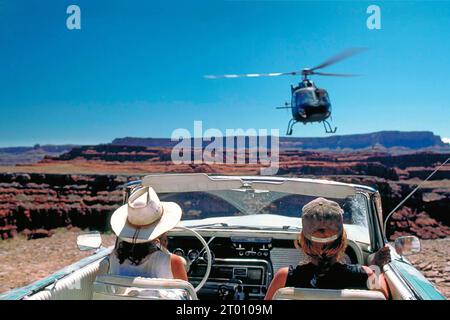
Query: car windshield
[[262, 209]]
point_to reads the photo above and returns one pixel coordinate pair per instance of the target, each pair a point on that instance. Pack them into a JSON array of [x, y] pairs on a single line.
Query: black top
[[338, 276]]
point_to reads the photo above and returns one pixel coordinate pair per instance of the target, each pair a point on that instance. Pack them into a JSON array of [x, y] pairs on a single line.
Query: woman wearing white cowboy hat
[[139, 224]]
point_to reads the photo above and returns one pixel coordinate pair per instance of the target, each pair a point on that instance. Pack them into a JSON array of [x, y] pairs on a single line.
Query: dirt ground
[[24, 261], [434, 262]]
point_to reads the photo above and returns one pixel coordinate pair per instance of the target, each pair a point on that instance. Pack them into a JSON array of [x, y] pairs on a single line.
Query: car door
[[405, 281], [421, 287]]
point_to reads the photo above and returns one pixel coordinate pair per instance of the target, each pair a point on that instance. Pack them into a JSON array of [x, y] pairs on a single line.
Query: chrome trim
[[193, 251], [405, 285], [240, 268], [199, 181], [244, 181], [136, 293], [265, 278], [143, 288]]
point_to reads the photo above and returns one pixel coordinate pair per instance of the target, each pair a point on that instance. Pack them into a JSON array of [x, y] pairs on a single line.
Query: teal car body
[[422, 288]]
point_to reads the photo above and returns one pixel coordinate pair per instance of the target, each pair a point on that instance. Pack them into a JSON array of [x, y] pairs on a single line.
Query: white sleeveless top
[[157, 265]]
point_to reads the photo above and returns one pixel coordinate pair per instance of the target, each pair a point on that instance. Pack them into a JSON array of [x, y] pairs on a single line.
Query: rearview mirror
[[407, 245], [89, 241]]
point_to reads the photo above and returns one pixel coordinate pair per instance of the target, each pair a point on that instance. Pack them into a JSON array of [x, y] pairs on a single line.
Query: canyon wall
[[31, 202], [42, 201]]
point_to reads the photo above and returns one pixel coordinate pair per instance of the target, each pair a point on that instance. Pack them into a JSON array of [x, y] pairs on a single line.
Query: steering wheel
[[208, 254]]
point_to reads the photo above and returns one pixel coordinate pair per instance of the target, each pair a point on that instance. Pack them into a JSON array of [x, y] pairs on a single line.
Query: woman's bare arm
[[278, 281], [178, 268]]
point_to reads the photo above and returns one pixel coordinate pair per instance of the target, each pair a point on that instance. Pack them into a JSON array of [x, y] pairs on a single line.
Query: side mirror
[[89, 241], [407, 245]]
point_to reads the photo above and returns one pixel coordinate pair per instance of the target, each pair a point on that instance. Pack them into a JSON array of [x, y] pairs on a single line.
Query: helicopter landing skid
[[328, 128], [291, 124], [326, 125]]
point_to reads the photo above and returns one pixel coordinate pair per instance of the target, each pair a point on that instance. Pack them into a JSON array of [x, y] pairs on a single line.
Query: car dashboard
[[242, 267]]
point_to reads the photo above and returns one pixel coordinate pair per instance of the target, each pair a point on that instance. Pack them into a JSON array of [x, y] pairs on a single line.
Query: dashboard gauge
[[205, 256], [178, 252], [193, 254]]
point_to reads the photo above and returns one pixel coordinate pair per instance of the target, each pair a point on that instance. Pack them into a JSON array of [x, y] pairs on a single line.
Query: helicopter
[[309, 103]]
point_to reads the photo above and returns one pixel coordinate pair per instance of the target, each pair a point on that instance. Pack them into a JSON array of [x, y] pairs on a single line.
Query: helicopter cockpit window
[[305, 97], [322, 96]]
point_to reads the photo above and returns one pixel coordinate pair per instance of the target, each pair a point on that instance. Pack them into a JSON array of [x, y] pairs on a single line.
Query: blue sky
[[136, 67]]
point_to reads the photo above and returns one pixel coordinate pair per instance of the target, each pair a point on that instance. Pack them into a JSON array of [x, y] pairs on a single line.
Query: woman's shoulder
[[283, 271], [161, 255], [177, 259], [281, 276]]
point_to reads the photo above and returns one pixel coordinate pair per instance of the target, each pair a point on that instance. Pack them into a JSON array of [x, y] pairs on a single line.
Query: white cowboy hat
[[144, 218]]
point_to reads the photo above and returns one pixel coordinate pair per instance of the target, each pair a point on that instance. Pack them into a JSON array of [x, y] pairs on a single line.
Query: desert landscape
[[46, 202], [41, 257]]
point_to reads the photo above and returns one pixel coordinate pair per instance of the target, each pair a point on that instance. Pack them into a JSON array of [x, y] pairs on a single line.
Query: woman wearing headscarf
[[141, 227], [324, 240]]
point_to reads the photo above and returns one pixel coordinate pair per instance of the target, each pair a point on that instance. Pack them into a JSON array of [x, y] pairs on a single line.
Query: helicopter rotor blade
[[339, 57], [253, 75], [335, 74]]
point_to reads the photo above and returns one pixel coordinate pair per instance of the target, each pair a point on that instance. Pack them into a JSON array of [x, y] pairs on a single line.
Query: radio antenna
[[412, 192]]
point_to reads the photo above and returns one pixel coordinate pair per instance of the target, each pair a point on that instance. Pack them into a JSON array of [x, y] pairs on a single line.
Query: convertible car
[[236, 232]]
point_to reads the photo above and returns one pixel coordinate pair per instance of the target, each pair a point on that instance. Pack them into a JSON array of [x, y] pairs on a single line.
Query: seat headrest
[[122, 287], [291, 293]]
